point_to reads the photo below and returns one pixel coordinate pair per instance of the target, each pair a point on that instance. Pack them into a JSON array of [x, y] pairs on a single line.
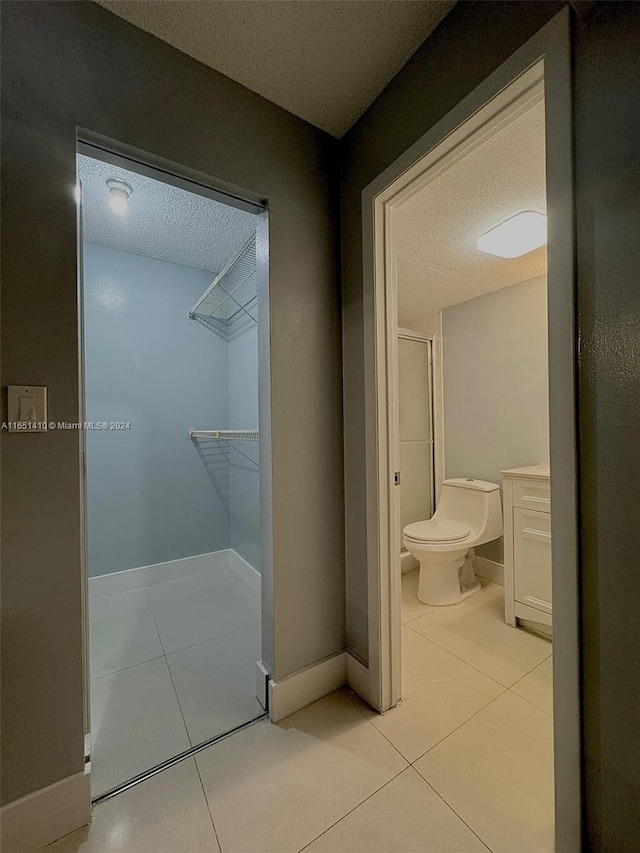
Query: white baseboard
[[358, 678], [46, 815], [245, 572], [489, 570], [408, 562], [300, 689], [158, 573]]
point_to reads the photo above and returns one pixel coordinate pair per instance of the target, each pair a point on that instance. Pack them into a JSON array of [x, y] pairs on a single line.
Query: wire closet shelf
[[225, 434], [234, 291]]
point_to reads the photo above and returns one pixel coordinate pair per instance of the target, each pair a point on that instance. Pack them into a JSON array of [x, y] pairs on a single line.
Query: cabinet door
[[532, 558]]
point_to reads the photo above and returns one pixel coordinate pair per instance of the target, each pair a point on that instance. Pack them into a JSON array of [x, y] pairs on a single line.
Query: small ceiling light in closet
[[120, 192], [516, 236]]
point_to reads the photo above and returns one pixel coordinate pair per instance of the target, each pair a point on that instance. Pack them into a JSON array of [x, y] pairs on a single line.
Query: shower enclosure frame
[[119, 154], [548, 52], [434, 415]]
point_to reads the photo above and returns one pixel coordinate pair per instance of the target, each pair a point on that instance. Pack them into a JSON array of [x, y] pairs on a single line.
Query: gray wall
[[467, 46], [150, 498], [496, 387], [244, 473], [73, 64], [607, 156], [470, 43]]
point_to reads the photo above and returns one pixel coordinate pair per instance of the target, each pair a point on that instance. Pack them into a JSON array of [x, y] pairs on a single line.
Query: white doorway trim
[[513, 87]]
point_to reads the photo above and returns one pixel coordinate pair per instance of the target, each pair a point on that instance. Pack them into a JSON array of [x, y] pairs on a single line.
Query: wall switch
[[27, 408]]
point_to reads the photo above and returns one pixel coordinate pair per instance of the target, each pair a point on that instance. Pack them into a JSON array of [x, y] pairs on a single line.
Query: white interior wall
[[495, 379]]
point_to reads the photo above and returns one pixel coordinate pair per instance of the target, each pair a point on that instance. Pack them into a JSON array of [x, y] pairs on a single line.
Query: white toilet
[[469, 513]]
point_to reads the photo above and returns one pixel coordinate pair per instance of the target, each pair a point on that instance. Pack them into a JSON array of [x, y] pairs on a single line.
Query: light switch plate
[[27, 408]]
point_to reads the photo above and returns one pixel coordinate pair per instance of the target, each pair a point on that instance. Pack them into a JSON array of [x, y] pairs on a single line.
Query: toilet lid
[[437, 530]]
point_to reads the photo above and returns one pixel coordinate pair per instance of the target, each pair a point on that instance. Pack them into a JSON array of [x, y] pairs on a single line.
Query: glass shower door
[[416, 430]]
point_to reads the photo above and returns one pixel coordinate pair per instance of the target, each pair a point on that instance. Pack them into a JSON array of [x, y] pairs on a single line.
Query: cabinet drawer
[[532, 494], [532, 558]]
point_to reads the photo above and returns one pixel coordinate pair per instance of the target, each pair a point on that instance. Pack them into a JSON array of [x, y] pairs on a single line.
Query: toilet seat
[[436, 530]]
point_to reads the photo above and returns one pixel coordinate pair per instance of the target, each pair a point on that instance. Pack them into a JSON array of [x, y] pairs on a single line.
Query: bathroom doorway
[[173, 281], [535, 79]]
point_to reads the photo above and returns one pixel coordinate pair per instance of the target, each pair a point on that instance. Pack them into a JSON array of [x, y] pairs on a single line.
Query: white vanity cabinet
[[527, 544]]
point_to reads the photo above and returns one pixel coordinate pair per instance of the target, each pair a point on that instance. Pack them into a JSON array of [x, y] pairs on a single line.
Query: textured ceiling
[[162, 221], [438, 263], [323, 60]]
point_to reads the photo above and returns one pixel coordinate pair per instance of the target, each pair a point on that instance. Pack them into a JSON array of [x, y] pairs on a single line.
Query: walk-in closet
[[170, 292]]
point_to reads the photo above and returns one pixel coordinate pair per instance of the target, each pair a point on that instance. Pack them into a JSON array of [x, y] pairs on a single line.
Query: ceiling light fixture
[[120, 192], [516, 236]]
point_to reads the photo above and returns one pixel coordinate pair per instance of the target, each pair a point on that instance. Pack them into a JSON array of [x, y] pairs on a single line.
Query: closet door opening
[[170, 288]]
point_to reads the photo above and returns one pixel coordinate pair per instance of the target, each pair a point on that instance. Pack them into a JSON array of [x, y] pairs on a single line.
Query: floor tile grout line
[[449, 806], [411, 763], [529, 702], [155, 624], [213, 639], [550, 655], [382, 734], [457, 657], [166, 660], [161, 583], [457, 728], [444, 648], [346, 814], [167, 654], [164, 656], [125, 668], [190, 646], [443, 738], [173, 684], [236, 580], [233, 582], [206, 799]]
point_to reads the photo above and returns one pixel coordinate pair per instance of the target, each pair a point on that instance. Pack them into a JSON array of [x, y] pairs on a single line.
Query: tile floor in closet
[[172, 665], [463, 764]]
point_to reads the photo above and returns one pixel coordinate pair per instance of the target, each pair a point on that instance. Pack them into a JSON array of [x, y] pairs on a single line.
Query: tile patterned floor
[[462, 765], [172, 665]]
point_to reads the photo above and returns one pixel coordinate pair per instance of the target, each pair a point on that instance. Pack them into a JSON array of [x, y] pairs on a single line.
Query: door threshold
[[171, 762]]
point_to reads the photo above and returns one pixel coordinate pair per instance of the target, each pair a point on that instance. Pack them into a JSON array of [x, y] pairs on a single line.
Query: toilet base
[[447, 578]]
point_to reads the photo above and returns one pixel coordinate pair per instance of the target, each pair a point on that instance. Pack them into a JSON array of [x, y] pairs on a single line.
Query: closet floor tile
[[274, 788], [122, 632], [136, 723], [439, 693], [496, 772], [406, 815], [179, 587], [166, 814], [205, 615], [216, 682], [479, 636]]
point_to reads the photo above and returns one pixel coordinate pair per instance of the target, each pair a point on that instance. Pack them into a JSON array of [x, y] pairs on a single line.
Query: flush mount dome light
[[516, 236], [120, 192]]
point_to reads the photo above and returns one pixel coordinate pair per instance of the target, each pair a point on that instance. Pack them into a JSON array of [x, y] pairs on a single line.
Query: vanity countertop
[[531, 472]]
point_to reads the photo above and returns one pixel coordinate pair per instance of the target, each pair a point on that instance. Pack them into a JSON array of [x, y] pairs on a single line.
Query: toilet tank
[[473, 502]]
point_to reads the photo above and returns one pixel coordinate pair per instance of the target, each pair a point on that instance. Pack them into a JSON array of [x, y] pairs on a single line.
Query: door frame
[[120, 154], [548, 49]]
